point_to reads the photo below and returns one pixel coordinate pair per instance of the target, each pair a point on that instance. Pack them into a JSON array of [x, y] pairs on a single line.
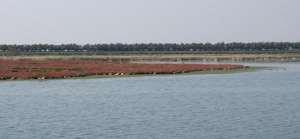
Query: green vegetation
[[151, 48]]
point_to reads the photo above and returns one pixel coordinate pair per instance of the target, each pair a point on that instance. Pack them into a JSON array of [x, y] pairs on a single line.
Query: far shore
[[205, 58], [107, 66]]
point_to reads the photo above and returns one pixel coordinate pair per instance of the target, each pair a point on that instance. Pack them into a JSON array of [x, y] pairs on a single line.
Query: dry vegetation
[[12, 69]]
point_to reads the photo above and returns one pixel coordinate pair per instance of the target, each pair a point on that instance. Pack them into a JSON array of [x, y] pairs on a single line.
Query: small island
[[24, 69]]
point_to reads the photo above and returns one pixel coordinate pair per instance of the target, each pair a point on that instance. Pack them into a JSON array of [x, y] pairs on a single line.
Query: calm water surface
[[263, 104]]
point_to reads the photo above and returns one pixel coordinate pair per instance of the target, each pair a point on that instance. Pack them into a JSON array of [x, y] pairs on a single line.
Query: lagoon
[[261, 104]]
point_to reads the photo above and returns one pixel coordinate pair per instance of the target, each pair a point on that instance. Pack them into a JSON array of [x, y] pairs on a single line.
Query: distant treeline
[[260, 47]]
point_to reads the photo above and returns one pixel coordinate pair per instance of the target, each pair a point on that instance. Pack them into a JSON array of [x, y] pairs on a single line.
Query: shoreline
[[215, 72], [42, 69]]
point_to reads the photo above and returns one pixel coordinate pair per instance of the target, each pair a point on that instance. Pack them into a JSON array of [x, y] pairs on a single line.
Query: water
[[263, 104]]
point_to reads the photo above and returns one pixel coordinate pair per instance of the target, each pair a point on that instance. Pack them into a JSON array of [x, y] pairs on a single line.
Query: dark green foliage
[[68, 49]]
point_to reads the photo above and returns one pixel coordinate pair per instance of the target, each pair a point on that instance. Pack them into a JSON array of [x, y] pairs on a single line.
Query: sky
[[148, 21]]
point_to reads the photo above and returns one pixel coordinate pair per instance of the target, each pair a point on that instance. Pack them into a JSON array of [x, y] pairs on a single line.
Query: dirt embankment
[[284, 57]]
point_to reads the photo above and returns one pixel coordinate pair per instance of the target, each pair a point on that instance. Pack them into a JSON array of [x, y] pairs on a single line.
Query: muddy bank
[[21, 69]]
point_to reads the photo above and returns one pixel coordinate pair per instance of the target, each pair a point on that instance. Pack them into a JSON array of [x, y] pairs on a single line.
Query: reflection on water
[[262, 104]]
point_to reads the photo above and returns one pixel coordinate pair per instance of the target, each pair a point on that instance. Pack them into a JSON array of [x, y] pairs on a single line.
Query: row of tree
[[154, 47]]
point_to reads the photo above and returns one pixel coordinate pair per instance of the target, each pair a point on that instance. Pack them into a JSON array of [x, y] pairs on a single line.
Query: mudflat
[[13, 69]]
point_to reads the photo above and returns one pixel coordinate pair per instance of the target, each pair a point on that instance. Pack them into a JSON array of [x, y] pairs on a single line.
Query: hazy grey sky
[[131, 21]]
